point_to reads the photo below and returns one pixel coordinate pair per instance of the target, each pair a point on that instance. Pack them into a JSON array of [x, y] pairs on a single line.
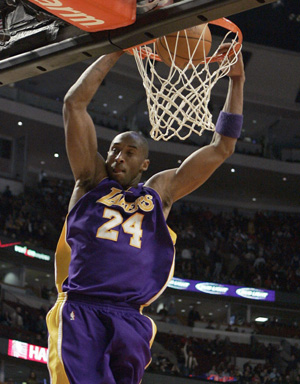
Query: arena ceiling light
[[261, 319]]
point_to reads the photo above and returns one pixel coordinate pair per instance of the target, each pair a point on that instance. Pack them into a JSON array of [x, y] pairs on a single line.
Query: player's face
[[125, 160]]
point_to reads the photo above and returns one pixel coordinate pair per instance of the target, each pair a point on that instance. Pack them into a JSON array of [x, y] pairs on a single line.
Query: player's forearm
[[230, 119], [82, 92], [235, 96]]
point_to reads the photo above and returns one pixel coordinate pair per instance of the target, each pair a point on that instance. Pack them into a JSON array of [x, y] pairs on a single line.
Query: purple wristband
[[229, 124]]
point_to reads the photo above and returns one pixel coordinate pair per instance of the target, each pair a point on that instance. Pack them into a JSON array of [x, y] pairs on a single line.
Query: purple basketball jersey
[[121, 247]]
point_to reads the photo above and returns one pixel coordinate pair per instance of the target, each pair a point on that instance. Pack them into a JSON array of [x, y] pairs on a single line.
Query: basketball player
[[116, 252]]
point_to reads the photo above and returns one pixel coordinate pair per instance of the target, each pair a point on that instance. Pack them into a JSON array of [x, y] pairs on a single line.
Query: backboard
[[52, 43]]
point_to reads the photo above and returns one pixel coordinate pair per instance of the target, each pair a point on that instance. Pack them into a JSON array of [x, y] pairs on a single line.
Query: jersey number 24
[[132, 226]]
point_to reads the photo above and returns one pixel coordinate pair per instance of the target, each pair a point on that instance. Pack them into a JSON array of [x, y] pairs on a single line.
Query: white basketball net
[[178, 98]]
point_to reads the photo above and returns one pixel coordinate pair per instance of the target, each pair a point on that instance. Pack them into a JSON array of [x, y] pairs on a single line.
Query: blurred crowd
[[23, 323], [31, 379], [258, 249], [255, 249], [215, 360], [36, 216]]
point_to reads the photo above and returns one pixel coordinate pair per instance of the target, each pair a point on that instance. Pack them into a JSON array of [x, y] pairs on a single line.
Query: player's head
[[127, 158]]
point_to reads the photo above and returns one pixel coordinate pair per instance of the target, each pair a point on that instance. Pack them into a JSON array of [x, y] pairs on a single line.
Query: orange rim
[[223, 22], [227, 24], [143, 51]]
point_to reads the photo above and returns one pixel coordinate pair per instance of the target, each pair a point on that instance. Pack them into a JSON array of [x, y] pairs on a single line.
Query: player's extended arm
[[199, 166], [87, 165]]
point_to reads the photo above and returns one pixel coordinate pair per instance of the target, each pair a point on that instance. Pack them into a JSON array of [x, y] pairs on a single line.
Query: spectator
[[7, 192], [210, 325], [186, 254], [193, 316], [172, 313], [259, 262], [32, 379], [274, 375], [17, 318], [43, 178], [175, 370], [190, 363], [41, 326], [5, 318]]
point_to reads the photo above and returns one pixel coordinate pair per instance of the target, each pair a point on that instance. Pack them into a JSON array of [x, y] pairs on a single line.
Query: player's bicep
[[81, 144], [176, 183], [198, 167]]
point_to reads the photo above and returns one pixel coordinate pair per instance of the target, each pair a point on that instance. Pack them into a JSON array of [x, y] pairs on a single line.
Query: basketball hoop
[[178, 98]]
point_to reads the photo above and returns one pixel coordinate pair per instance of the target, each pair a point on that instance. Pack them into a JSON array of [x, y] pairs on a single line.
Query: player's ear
[[145, 165]]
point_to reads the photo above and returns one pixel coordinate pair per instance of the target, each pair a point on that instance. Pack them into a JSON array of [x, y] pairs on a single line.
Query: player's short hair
[[142, 141]]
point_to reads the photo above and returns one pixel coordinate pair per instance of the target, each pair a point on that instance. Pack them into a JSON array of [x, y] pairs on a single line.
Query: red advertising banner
[[92, 15], [26, 351]]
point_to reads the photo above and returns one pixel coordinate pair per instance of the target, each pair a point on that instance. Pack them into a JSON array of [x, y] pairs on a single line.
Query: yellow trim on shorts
[[154, 331], [54, 323]]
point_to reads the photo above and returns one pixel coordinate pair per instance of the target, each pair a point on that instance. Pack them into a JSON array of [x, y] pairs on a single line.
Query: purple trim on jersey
[[121, 268]]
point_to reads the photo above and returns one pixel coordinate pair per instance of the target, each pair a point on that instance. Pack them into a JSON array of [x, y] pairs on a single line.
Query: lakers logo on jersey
[[116, 197]]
